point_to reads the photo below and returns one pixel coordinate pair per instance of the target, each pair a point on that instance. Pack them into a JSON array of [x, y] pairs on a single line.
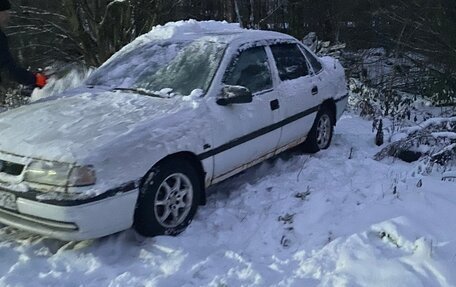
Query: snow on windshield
[[192, 61], [192, 68], [180, 67]]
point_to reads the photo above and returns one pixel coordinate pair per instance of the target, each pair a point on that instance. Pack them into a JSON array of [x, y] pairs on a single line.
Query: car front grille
[[11, 168]]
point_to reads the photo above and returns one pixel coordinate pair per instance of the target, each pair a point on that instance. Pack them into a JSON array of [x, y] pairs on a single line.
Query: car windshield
[[174, 68]]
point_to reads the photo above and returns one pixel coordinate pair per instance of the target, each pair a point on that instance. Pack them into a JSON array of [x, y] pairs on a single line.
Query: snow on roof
[[192, 29]]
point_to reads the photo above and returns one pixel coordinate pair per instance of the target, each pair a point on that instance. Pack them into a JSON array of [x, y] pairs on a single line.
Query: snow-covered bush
[[325, 48], [433, 143], [440, 88], [381, 83], [12, 98], [363, 99]]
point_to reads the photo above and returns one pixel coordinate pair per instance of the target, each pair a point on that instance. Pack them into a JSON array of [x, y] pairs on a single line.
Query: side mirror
[[234, 95]]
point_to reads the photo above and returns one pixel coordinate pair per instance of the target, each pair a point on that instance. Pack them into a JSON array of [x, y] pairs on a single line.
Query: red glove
[[41, 80]]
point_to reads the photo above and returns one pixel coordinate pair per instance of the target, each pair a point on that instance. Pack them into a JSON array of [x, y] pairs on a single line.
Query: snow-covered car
[[179, 109]]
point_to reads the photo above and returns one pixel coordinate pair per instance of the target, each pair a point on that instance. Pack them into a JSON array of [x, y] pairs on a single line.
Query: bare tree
[[71, 30], [427, 28]]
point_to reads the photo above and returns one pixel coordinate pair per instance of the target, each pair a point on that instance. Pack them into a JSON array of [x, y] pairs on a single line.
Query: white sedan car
[[158, 123]]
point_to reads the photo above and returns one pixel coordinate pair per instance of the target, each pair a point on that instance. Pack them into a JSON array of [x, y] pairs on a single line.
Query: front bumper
[[74, 222]]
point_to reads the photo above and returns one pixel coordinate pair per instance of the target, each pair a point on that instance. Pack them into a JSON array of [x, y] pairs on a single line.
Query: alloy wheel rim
[[173, 200], [323, 131]]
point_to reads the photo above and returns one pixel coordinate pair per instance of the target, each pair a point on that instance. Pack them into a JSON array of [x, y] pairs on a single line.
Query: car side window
[[290, 61], [316, 65], [251, 70]]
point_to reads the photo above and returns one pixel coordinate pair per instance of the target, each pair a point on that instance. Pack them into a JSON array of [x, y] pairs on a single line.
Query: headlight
[[82, 176], [59, 174]]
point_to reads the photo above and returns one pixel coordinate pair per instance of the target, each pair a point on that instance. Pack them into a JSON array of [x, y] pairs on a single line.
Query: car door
[[320, 77], [245, 133], [298, 92]]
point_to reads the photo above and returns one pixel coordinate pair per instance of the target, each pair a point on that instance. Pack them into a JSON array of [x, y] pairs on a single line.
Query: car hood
[[70, 127]]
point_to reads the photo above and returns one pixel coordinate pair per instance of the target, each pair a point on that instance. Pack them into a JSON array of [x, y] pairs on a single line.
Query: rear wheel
[[320, 135], [168, 199]]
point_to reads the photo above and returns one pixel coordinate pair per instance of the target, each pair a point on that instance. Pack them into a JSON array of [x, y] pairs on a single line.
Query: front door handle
[[314, 90], [275, 105]]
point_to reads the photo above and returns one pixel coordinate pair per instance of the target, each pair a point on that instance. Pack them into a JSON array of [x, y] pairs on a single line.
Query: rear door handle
[[275, 105], [314, 90]]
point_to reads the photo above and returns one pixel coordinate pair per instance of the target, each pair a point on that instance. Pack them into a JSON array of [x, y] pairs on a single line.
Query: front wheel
[[320, 135], [168, 199]]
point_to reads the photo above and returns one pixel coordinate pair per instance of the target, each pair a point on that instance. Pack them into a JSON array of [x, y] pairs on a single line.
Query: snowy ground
[[297, 220]]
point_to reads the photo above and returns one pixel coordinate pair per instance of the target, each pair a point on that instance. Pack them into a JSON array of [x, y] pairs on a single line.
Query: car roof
[[238, 36], [220, 32]]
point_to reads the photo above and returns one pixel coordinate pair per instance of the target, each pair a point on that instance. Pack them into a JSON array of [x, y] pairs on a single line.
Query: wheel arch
[[193, 160], [330, 105]]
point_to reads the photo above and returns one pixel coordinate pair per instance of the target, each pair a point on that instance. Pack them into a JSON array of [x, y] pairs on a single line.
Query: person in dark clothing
[[7, 61]]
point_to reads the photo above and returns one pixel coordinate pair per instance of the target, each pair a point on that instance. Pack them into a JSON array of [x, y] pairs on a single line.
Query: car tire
[[168, 199], [321, 133]]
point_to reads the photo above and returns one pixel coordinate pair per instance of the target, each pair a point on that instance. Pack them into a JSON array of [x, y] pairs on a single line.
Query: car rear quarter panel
[[334, 77]]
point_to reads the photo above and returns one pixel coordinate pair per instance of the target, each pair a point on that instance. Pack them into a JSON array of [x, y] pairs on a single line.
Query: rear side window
[[316, 65], [251, 70], [290, 61]]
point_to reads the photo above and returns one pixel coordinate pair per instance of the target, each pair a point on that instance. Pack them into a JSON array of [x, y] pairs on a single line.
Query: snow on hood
[[69, 128]]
